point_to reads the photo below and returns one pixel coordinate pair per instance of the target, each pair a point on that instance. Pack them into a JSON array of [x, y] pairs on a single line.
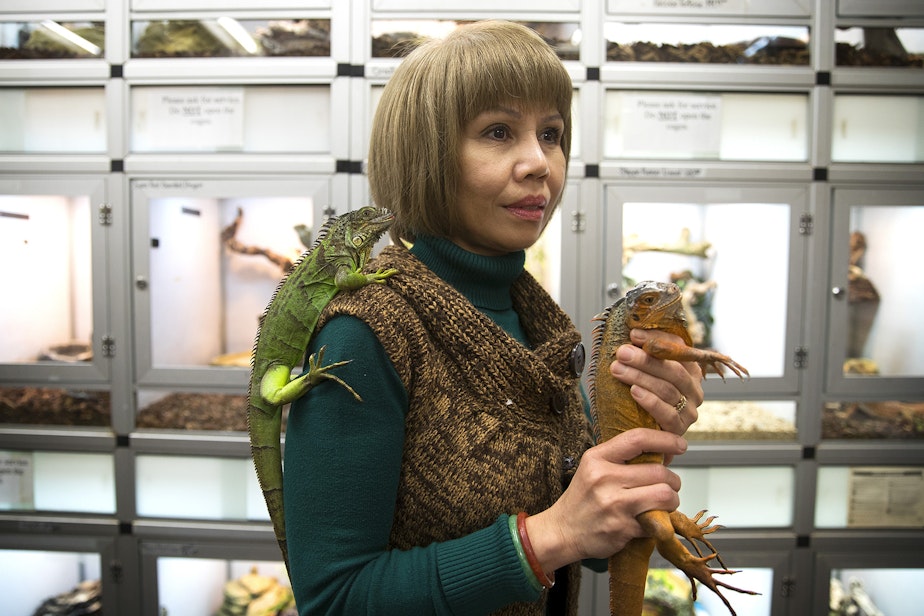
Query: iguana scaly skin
[[649, 305], [333, 264]]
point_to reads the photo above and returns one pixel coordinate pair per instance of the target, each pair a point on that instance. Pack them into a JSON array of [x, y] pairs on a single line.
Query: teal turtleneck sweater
[[342, 471]]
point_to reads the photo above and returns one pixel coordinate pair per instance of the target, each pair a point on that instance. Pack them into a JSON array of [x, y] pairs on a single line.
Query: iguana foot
[[665, 529], [317, 373], [718, 362], [706, 358], [692, 530], [381, 275], [698, 569]]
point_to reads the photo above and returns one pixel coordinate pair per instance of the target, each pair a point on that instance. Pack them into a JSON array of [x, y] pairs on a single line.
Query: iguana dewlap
[[649, 305], [333, 264]]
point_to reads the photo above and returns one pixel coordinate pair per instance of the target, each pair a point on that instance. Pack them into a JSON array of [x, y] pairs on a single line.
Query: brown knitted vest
[[492, 427]]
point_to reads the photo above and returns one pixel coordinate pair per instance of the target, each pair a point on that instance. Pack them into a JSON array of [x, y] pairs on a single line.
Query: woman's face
[[512, 171]]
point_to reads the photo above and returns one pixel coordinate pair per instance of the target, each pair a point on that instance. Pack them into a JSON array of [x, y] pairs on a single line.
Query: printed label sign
[[886, 497], [674, 125], [183, 119], [16, 480]]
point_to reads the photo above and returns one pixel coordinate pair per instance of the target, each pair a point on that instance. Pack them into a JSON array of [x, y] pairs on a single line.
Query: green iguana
[[333, 264], [650, 305]]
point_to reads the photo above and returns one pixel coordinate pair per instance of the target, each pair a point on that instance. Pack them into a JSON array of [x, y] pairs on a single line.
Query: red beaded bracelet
[[546, 580]]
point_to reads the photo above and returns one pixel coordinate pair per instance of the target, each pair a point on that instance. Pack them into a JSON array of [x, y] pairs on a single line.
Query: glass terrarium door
[[732, 252], [51, 582], [874, 346], [194, 578], [705, 126], [53, 238], [883, 578], [208, 255]]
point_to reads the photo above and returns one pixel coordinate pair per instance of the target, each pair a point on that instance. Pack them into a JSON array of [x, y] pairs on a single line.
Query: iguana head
[[655, 305], [360, 229]]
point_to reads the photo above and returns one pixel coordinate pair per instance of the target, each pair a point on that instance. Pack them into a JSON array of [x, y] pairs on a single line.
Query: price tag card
[[16, 480]]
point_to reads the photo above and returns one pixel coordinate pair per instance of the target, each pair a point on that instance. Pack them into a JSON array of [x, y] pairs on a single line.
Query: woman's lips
[[529, 208]]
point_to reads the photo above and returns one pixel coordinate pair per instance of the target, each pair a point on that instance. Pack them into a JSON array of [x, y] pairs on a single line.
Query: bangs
[[525, 76]]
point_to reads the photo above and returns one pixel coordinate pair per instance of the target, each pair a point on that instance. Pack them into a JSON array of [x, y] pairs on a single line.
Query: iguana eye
[[357, 241]]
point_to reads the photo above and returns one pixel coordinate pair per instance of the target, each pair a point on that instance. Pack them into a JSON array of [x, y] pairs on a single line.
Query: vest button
[[576, 360], [559, 402]]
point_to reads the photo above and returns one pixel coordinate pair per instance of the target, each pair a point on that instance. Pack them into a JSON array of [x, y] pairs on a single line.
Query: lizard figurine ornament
[[333, 264], [650, 305]]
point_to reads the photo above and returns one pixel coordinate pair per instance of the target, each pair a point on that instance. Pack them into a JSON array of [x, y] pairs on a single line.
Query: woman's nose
[[533, 161]]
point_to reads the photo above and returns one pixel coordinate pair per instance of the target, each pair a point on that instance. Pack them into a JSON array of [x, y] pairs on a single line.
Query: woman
[[407, 502]]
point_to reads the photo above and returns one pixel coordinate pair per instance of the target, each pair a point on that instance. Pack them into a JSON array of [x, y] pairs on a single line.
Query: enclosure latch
[[578, 222], [108, 346], [116, 570], [787, 587], [800, 358], [105, 214], [806, 224]]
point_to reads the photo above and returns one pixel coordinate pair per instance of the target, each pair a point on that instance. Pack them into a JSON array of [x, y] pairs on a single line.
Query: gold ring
[[681, 404]]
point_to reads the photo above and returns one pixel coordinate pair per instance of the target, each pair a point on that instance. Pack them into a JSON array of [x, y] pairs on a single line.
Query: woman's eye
[[498, 132], [551, 135]]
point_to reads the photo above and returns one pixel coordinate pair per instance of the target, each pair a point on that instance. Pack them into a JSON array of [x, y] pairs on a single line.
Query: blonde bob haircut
[[434, 93]]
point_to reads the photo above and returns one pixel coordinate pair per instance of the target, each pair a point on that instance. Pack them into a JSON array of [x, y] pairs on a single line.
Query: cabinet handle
[[838, 292], [141, 283], [612, 290]]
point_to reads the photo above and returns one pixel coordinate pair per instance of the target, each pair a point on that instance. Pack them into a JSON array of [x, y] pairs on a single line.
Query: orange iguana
[[649, 305]]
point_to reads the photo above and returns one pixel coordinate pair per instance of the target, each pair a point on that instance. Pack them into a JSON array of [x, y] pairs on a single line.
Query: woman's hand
[[595, 517], [659, 385]]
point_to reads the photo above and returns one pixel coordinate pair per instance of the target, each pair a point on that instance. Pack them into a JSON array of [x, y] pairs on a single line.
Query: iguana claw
[[691, 530], [317, 373], [381, 275]]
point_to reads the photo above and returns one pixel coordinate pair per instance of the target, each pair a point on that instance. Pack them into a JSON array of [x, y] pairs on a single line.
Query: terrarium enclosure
[[879, 45], [742, 496], [189, 586], [874, 590], [877, 128], [33, 580], [870, 497], [47, 245], [711, 8], [705, 126], [668, 590], [61, 406], [53, 120], [224, 36], [395, 38], [724, 247], [208, 257], [715, 43], [57, 481], [198, 487], [255, 118], [877, 254], [51, 39]]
